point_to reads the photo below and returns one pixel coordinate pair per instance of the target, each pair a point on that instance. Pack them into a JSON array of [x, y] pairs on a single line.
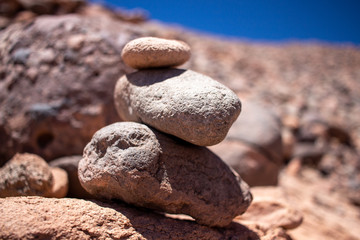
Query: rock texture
[[70, 165], [60, 183], [253, 166], [260, 128], [151, 52], [327, 212], [146, 168], [26, 175], [179, 102], [45, 219], [270, 209], [253, 146], [71, 83]]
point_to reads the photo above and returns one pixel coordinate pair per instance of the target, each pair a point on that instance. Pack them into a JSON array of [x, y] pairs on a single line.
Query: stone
[[146, 168], [152, 52], [39, 6], [260, 128], [253, 167], [270, 210], [26, 175], [70, 165], [76, 41], [179, 102], [66, 218], [21, 56], [4, 22], [69, 101], [9, 8], [60, 183], [25, 17], [309, 153], [69, 6], [288, 142]]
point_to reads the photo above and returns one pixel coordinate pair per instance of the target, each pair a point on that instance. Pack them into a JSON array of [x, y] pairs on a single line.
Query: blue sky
[[335, 21]]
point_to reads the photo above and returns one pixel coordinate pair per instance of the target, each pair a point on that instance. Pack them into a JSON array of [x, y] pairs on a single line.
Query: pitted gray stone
[[146, 168]]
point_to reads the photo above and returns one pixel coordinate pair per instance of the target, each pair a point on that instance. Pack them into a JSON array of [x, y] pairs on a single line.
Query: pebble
[[152, 52], [21, 56], [75, 42]]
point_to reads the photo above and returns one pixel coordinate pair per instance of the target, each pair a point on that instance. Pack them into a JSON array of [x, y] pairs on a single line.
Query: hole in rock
[[44, 139]]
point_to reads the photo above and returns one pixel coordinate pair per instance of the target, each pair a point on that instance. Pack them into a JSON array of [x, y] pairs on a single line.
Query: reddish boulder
[[45, 219]]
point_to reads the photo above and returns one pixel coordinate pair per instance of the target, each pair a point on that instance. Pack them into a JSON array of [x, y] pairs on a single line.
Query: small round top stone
[[152, 52]]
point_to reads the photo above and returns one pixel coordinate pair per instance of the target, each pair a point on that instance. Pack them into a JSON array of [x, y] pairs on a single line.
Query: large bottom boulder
[[146, 168], [44, 218]]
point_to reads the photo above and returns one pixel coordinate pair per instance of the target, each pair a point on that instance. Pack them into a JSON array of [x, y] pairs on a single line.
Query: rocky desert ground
[[295, 143]]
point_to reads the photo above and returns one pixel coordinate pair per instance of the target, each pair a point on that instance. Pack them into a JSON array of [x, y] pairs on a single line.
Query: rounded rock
[[261, 128], [60, 184], [183, 103], [143, 167], [70, 165], [254, 167], [26, 175], [152, 52]]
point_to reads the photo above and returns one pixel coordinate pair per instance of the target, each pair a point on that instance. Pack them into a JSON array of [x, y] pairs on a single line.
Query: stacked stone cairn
[[157, 159]]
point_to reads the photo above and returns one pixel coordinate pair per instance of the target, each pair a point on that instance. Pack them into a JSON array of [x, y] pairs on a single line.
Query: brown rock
[[26, 175], [38, 6], [179, 102], [70, 98], [253, 167], [260, 128], [69, 6], [4, 22], [327, 214], [152, 52], [288, 142], [308, 153], [70, 165], [76, 41], [271, 210], [44, 218], [9, 8], [141, 166], [60, 183], [25, 16]]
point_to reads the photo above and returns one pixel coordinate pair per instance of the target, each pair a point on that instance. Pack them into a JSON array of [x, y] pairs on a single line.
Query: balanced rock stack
[[157, 158]]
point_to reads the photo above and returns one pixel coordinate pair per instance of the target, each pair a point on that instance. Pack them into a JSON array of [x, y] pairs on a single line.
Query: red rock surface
[[327, 213], [45, 219]]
